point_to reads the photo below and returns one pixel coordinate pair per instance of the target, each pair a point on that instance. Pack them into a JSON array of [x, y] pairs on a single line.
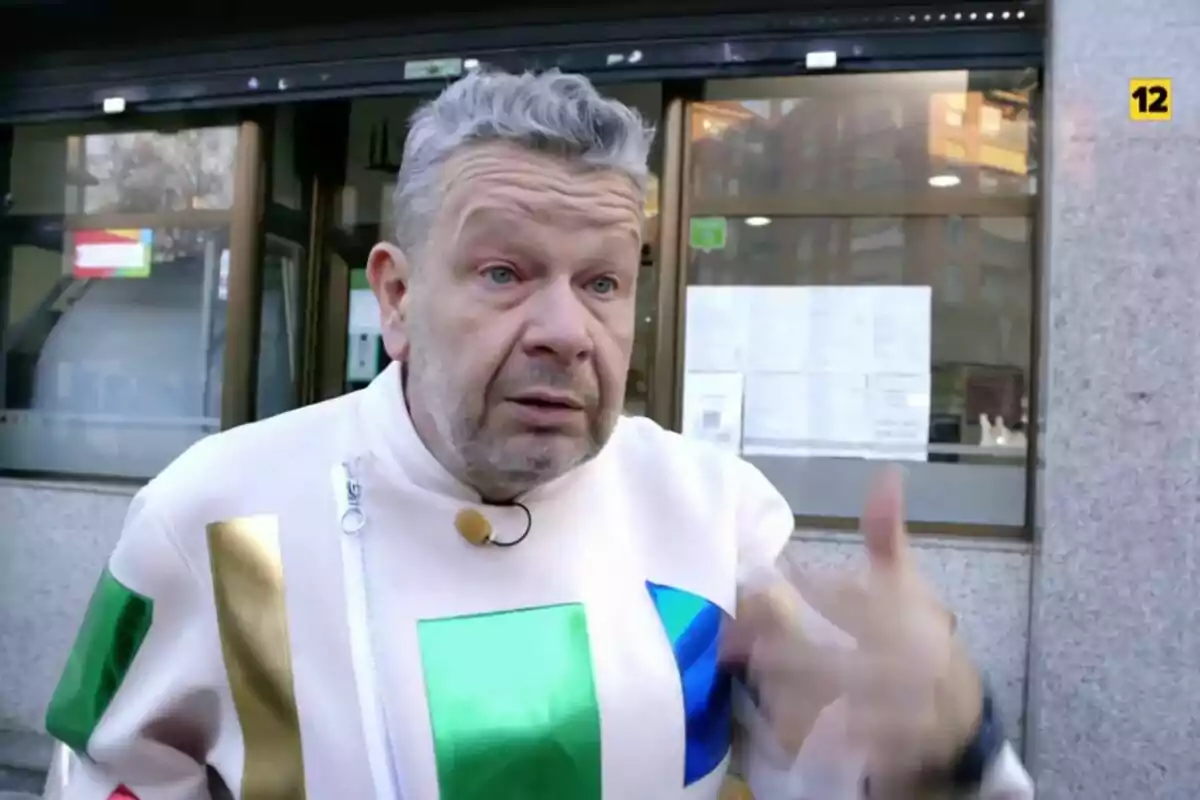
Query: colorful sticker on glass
[[708, 233], [113, 254]]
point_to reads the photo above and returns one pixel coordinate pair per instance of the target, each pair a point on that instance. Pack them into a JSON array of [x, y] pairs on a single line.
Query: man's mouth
[[548, 401]]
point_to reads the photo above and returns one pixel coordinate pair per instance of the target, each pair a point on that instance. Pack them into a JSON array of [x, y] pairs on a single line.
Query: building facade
[[929, 234]]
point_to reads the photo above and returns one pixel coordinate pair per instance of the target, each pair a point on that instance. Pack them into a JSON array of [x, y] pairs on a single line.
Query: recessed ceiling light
[[944, 181], [758, 222]]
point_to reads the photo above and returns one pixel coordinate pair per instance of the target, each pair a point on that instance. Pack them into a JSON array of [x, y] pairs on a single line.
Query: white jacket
[[290, 609]]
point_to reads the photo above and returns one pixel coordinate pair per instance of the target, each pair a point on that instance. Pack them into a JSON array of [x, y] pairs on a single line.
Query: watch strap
[[974, 760]]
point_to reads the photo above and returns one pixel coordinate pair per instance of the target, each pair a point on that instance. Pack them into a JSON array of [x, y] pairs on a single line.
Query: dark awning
[[65, 56]]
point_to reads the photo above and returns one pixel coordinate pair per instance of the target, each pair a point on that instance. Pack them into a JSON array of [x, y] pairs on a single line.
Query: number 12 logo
[[1150, 99]]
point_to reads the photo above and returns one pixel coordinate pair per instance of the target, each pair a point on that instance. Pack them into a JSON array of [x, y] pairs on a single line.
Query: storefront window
[[860, 287], [113, 295]]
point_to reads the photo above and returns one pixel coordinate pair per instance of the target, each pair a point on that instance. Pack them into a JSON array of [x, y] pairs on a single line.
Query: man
[[475, 579]]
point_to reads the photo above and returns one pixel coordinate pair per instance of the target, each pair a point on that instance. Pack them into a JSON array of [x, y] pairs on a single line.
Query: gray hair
[[547, 112]]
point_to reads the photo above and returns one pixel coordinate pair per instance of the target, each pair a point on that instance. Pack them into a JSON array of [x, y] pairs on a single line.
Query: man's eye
[[500, 275], [604, 285]]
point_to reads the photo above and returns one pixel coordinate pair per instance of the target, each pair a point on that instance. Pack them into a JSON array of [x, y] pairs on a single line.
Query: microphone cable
[[524, 533]]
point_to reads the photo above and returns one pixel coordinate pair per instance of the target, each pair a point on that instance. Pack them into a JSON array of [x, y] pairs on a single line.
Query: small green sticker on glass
[[708, 233], [433, 68]]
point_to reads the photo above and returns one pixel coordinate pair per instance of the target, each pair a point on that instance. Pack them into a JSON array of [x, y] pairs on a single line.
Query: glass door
[[123, 256], [364, 215], [280, 360]]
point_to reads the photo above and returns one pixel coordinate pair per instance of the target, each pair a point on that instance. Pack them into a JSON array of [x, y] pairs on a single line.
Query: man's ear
[[389, 273]]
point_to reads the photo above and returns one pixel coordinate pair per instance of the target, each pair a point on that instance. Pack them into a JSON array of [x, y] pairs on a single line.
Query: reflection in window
[[113, 334], [281, 335], [859, 323], [146, 171], [850, 133]]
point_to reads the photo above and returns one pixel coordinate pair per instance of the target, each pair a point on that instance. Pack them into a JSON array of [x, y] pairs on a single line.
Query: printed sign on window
[[113, 253]]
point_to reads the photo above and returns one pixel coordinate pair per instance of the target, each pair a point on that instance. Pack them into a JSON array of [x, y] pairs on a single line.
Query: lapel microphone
[[477, 530], [473, 526]]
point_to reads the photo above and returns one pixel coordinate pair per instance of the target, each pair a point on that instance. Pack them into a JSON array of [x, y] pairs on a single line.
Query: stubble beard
[[499, 466]]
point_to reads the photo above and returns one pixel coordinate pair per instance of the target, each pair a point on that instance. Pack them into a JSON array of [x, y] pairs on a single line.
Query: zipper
[[352, 519]]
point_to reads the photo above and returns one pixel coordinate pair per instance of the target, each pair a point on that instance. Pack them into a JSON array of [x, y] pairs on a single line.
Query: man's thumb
[[883, 521]]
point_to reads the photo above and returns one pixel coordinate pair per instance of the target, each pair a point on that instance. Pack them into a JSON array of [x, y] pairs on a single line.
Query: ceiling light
[[944, 181], [758, 222]]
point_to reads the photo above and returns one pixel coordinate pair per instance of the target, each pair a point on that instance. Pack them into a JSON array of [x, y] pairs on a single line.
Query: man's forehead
[[484, 222], [485, 189]]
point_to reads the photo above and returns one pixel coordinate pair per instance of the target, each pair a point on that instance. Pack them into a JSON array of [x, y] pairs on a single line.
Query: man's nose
[[558, 324]]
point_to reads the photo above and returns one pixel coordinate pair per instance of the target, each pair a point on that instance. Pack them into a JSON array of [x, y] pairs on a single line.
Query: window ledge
[[82, 485], [926, 541]]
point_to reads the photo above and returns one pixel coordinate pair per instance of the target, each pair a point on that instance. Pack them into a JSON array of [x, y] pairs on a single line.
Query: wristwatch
[[973, 762], [968, 770]]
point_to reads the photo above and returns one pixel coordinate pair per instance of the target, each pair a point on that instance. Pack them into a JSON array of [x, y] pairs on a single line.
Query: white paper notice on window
[[717, 330], [833, 371], [363, 316], [712, 408], [807, 414], [901, 329], [362, 337], [866, 329], [899, 416]]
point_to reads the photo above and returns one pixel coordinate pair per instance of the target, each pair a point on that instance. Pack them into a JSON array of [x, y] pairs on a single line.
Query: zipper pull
[[349, 494]]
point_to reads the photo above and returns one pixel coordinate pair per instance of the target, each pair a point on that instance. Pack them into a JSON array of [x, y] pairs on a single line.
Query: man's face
[[516, 319]]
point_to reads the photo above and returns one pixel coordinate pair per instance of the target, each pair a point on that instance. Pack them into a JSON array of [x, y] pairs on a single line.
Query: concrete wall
[[1115, 664], [56, 539], [53, 542], [986, 583]]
